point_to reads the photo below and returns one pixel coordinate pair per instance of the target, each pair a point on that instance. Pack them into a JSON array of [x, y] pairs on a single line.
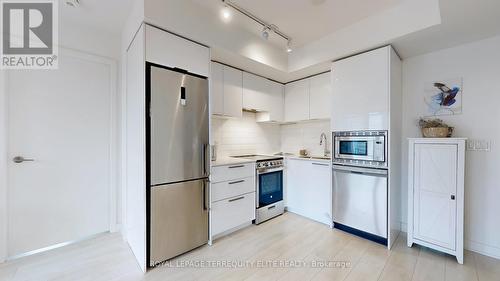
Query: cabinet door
[[170, 50], [320, 96], [217, 88], [435, 181], [275, 101], [297, 101], [320, 196], [255, 92], [308, 189], [360, 89], [233, 92], [295, 181]]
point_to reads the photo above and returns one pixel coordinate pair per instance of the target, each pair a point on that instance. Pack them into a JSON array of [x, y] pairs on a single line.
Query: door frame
[[114, 151]]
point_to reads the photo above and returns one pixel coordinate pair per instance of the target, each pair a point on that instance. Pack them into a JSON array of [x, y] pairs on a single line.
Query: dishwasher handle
[[360, 170]]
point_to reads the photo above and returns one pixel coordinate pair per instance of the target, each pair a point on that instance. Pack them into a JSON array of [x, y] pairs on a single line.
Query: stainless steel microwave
[[364, 148]]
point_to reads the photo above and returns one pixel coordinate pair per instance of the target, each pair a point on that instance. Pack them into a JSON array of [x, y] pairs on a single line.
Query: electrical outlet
[[478, 145]]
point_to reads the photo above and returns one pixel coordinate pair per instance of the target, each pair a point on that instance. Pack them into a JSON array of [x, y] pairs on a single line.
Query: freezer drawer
[[179, 219], [360, 199]]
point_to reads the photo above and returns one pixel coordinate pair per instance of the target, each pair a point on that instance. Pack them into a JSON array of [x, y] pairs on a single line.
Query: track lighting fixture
[[267, 27]]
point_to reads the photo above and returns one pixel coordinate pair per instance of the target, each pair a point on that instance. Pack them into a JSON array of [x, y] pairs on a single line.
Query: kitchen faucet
[[321, 139]]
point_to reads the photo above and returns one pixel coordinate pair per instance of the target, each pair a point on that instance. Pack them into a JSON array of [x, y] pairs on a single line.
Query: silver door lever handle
[[20, 159]]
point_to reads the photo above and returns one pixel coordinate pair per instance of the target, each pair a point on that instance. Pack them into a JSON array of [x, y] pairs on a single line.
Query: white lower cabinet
[[232, 212], [436, 194], [308, 189], [232, 197]]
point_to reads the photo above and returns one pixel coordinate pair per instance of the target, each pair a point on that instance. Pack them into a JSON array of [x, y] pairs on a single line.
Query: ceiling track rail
[[265, 24]]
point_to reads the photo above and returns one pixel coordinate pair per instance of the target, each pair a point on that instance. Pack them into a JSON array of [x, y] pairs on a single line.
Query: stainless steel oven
[[360, 148], [360, 201], [269, 187]]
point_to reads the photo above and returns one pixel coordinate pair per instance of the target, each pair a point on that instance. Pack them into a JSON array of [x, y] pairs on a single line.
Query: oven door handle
[[360, 171], [266, 171]]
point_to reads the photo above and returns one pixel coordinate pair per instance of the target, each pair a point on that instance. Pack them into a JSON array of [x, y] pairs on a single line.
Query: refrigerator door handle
[[206, 159], [205, 205]]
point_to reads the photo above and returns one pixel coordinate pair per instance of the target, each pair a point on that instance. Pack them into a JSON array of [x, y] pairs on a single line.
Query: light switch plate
[[478, 145]]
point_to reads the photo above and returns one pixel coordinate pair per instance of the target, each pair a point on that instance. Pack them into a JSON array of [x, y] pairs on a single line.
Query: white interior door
[[434, 192], [62, 120]]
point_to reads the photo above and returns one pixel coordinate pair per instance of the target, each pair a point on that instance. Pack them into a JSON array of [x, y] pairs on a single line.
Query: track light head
[[265, 32], [289, 46], [226, 14]]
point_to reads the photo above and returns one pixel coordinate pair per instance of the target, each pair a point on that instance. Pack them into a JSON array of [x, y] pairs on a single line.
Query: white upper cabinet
[[308, 99], [226, 91], [255, 92], [320, 94], [173, 51], [297, 101], [217, 88], [264, 96], [276, 101], [233, 92], [361, 91]]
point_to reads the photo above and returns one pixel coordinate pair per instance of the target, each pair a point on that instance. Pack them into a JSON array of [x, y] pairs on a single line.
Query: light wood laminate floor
[[288, 238]]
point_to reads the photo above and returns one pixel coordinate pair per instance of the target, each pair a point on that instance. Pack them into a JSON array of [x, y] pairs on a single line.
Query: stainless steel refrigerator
[[178, 161]]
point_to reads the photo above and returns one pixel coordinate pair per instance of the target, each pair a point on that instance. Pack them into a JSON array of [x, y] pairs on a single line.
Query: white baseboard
[[478, 247], [483, 249]]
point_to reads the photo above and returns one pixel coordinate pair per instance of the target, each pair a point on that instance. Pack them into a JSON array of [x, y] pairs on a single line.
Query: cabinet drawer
[[232, 212], [232, 172], [227, 189]]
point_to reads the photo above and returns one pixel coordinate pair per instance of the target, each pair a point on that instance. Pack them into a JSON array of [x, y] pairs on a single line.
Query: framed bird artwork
[[444, 97]]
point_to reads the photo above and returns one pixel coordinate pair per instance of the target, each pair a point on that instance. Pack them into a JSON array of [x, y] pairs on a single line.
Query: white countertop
[[309, 158], [230, 161]]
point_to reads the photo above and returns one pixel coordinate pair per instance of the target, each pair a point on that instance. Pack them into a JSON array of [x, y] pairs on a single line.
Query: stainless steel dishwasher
[[360, 201]]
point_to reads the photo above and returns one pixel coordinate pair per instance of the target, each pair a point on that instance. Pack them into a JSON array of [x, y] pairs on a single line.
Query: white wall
[[242, 136], [305, 136], [479, 65]]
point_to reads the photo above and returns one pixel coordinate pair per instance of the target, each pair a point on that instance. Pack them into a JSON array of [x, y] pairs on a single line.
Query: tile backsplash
[[239, 136], [305, 136]]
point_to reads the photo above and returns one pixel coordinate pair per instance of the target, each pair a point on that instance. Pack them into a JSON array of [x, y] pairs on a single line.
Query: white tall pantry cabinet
[[153, 45], [436, 194], [367, 95]]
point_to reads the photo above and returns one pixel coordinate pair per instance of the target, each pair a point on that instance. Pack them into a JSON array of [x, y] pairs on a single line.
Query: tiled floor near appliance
[[288, 237]]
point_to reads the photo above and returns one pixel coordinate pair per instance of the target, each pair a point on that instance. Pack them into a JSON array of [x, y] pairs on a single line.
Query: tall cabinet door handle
[[453, 197]]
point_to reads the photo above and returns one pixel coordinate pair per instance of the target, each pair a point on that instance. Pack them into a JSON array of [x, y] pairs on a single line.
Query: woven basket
[[437, 132]]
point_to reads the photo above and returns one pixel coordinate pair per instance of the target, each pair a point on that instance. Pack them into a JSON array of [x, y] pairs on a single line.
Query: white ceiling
[[107, 15], [463, 21], [307, 21], [303, 20]]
